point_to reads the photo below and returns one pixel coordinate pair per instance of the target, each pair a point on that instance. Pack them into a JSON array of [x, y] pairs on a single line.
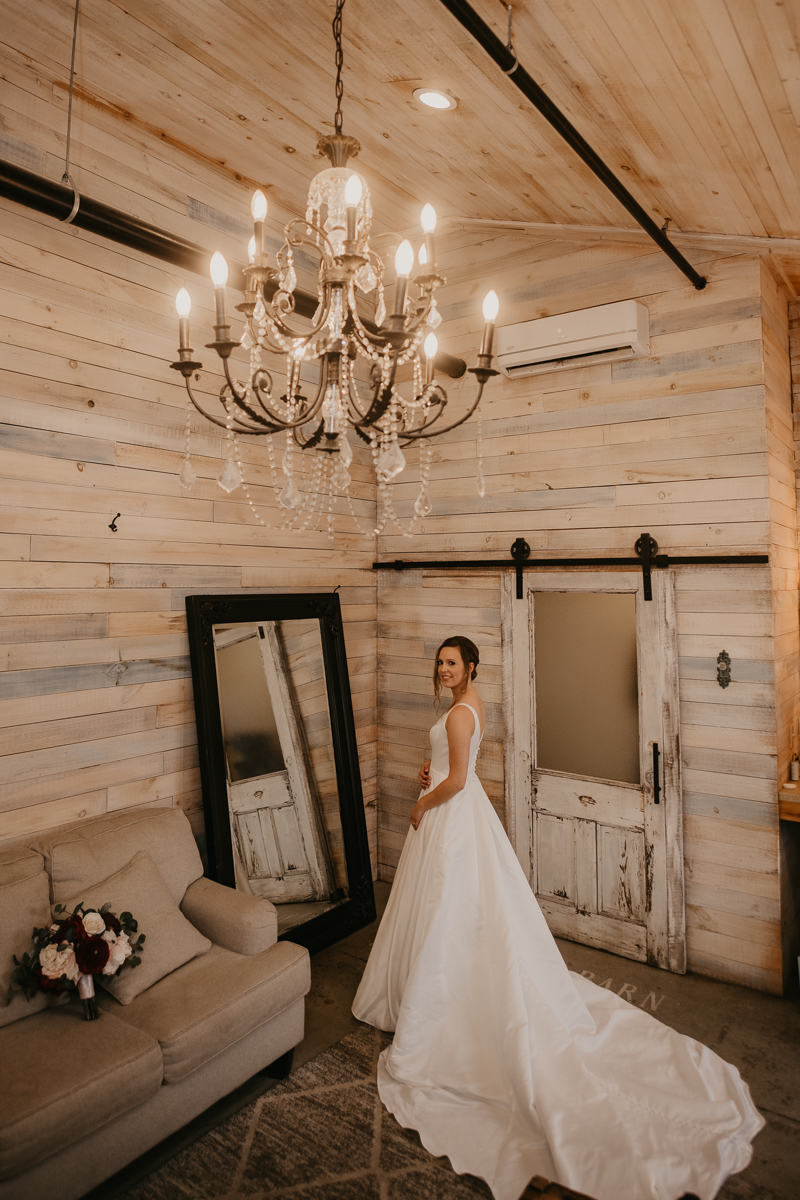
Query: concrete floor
[[757, 1032]]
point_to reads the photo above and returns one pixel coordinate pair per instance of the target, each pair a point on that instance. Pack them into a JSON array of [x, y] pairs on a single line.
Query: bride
[[502, 1059]]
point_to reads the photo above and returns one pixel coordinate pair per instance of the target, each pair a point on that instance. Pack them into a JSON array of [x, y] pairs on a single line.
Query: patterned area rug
[[321, 1134]]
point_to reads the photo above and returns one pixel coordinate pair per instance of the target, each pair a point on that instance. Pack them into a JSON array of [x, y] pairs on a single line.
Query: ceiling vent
[[606, 333]]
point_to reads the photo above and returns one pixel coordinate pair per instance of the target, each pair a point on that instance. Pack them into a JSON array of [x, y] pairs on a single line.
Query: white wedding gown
[[510, 1064]]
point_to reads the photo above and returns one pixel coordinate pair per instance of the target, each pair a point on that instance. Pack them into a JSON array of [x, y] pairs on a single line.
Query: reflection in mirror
[[278, 756], [282, 795]]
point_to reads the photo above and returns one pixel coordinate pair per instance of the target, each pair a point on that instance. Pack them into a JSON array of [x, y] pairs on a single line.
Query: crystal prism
[[259, 312], [246, 340], [345, 451], [434, 317], [390, 462], [380, 311], [289, 280], [423, 505], [286, 464], [230, 479], [290, 496], [187, 476], [365, 278], [340, 477], [480, 482]]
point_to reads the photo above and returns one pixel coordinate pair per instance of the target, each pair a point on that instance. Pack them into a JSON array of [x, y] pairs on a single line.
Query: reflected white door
[[274, 819], [592, 764]]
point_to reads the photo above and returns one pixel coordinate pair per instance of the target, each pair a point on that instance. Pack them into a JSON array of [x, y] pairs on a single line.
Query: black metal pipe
[[56, 199], [506, 59]]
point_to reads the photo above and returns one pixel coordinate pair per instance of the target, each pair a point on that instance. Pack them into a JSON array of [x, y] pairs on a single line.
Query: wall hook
[[113, 525]]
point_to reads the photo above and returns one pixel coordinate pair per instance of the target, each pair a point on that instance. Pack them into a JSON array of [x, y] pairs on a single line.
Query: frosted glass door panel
[[587, 704]]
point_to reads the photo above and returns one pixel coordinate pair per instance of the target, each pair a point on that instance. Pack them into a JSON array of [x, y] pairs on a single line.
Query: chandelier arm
[[304, 335], [381, 396], [425, 430], [293, 238], [201, 410]]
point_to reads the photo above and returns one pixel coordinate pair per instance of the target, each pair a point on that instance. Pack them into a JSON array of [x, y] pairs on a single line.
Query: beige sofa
[[81, 1099]]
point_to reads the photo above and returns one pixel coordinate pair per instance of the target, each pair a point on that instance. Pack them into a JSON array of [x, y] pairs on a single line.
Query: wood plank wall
[[95, 690], [691, 445]]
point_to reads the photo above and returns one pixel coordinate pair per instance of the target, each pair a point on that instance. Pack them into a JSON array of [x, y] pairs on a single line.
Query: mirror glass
[[280, 772], [279, 760]]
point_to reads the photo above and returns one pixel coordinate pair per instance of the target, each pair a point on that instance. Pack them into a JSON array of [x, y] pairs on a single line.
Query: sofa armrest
[[243, 924]]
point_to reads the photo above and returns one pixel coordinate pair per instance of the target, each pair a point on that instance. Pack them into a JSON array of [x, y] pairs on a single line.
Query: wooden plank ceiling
[[694, 103]]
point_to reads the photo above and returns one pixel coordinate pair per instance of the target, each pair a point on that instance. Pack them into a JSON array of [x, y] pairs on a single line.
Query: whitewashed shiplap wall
[[95, 691], [693, 445]]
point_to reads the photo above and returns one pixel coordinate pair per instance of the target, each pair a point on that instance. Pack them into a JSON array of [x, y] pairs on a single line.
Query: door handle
[[656, 778]]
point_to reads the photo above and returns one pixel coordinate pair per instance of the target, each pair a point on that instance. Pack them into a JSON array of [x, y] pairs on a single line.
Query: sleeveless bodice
[[440, 748]]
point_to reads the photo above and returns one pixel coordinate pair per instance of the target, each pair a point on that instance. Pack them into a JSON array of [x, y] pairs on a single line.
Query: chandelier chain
[[337, 37]]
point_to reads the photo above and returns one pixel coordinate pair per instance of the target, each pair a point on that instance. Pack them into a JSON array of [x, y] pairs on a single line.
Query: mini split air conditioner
[[607, 333]]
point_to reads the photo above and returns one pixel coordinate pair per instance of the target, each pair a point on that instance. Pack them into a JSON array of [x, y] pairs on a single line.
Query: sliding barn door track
[[645, 549]]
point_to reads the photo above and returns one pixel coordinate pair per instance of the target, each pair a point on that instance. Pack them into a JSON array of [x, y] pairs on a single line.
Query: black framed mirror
[[284, 809]]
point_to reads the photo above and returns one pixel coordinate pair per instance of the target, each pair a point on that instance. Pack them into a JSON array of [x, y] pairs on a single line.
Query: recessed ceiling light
[[434, 99]]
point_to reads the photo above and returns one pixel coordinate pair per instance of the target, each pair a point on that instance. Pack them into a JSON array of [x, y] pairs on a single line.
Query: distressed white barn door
[[592, 758], [276, 827]]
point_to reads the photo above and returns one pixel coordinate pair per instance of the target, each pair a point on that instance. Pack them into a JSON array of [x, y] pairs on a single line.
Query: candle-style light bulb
[[219, 276], [219, 270], [404, 258], [183, 303], [428, 220], [258, 206], [251, 249], [491, 307], [258, 210], [352, 197], [431, 347], [353, 191]]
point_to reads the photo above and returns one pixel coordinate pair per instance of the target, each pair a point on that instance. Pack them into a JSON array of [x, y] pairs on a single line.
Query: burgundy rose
[[112, 922], [91, 955], [76, 925], [47, 984]]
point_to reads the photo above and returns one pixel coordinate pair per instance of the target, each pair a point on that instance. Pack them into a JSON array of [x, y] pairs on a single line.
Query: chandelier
[[357, 320]]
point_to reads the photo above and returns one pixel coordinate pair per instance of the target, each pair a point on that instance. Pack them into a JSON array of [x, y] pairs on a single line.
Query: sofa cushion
[[64, 1076], [213, 1001], [170, 940], [19, 863], [79, 857], [24, 906]]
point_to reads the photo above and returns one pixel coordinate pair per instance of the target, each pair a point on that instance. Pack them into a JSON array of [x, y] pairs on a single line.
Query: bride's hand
[[417, 813], [425, 775]]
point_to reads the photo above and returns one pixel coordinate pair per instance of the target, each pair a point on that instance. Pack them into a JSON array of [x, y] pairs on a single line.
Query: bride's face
[[452, 671]]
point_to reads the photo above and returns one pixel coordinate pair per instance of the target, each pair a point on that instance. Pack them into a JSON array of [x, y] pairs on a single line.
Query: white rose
[[119, 948], [94, 924], [55, 963]]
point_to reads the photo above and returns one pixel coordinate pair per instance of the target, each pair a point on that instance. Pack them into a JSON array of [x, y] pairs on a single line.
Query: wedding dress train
[[510, 1064]]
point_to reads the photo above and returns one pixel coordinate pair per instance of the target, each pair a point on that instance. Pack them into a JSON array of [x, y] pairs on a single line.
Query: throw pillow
[[170, 940]]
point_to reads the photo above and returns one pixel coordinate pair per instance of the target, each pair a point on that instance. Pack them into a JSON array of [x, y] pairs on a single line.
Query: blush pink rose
[[119, 948]]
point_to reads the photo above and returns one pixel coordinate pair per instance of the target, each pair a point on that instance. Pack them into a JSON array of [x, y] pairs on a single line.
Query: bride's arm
[[460, 728]]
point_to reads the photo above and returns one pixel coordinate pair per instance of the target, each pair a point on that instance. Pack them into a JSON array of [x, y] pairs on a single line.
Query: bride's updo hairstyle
[[469, 654]]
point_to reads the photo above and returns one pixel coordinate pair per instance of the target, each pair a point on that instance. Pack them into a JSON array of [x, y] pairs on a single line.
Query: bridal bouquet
[[68, 955]]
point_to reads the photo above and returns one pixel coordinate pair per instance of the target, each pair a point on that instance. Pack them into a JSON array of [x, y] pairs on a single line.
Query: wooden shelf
[[789, 805]]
